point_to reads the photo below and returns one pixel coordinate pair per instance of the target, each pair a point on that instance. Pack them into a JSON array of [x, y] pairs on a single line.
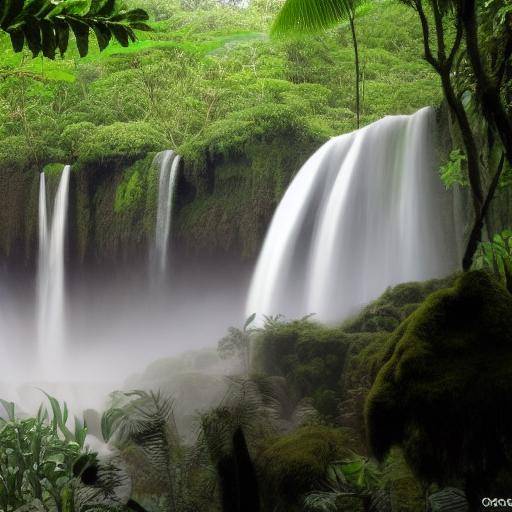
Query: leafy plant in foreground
[[357, 478], [496, 255], [45, 26], [36, 458]]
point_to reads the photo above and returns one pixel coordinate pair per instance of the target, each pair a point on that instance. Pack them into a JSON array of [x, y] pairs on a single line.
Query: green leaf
[[249, 321], [81, 31], [32, 32], [48, 41], [103, 34], [310, 16], [11, 9], [9, 409], [120, 33], [17, 40], [62, 35]]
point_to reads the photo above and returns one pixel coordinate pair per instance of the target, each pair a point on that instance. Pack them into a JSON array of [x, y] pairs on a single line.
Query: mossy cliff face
[[235, 176], [229, 185]]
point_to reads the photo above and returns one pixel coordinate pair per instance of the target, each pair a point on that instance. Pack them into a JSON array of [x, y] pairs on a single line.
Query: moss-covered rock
[[445, 389], [297, 463]]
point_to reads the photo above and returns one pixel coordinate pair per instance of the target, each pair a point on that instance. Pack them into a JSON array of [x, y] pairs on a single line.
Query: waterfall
[[51, 286], [168, 163], [365, 212]]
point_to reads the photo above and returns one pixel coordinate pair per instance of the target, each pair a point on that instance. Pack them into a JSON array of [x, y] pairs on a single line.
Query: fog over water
[[365, 212]]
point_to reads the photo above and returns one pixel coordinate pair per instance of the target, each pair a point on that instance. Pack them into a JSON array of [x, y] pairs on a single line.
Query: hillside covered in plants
[[255, 256]]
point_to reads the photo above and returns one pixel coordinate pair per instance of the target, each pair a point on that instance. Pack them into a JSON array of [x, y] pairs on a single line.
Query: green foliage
[[496, 256], [295, 464], [74, 135], [121, 142], [453, 172], [238, 344], [37, 456], [310, 16], [450, 359], [311, 357], [45, 26], [129, 192]]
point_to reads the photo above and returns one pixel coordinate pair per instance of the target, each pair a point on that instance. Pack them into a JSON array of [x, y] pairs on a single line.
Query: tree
[[445, 381], [310, 16], [238, 344], [45, 26]]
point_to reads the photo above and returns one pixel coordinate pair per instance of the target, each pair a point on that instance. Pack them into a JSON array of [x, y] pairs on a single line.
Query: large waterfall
[[168, 163], [51, 286], [365, 212]]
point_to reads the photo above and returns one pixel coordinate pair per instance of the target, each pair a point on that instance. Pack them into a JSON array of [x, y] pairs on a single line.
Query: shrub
[[120, 141], [297, 463]]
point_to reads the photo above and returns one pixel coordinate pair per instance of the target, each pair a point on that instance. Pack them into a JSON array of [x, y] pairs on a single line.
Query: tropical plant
[[146, 420], [37, 455], [496, 255], [359, 478], [44, 26], [238, 344], [310, 16]]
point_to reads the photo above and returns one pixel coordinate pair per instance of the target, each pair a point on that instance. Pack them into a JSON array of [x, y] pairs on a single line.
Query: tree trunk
[[356, 64], [489, 95]]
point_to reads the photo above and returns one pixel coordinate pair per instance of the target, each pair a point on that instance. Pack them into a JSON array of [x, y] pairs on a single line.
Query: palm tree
[[310, 16], [44, 26]]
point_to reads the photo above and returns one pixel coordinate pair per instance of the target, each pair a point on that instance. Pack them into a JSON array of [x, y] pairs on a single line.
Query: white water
[[365, 212], [51, 286], [168, 162]]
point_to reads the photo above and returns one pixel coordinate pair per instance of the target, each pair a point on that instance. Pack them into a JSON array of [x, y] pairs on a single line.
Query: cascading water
[[365, 212], [168, 163], [51, 290]]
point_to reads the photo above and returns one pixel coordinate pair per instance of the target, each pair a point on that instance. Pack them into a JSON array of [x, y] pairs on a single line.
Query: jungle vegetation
[[315, 418]]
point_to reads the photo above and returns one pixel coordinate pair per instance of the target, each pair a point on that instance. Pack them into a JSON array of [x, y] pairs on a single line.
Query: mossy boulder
[[445, 390], [296, 464]]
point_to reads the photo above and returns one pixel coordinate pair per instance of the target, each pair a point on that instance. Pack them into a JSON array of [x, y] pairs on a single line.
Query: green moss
[[129, 193], [115, 208], [53, 169], [239, 169], [297, 463], [446, 381], [121, 142], [393, 306]]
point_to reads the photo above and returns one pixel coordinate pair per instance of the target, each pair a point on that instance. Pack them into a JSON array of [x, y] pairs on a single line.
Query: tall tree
[[445, 27], [44, 26], [310, 16]]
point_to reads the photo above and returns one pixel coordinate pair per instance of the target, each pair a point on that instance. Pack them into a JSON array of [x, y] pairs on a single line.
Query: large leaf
[[44, 26], [310, 16]]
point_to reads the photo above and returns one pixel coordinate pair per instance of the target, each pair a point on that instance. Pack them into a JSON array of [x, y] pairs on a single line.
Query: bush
[[297, 463], [121, 142]]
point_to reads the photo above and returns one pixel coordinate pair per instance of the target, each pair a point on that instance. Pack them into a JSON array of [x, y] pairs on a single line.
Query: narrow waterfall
[[51, 286], [365, 212], [168, 163]]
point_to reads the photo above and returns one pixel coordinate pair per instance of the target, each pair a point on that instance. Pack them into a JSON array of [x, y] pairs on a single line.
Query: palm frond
[[311, 16]]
